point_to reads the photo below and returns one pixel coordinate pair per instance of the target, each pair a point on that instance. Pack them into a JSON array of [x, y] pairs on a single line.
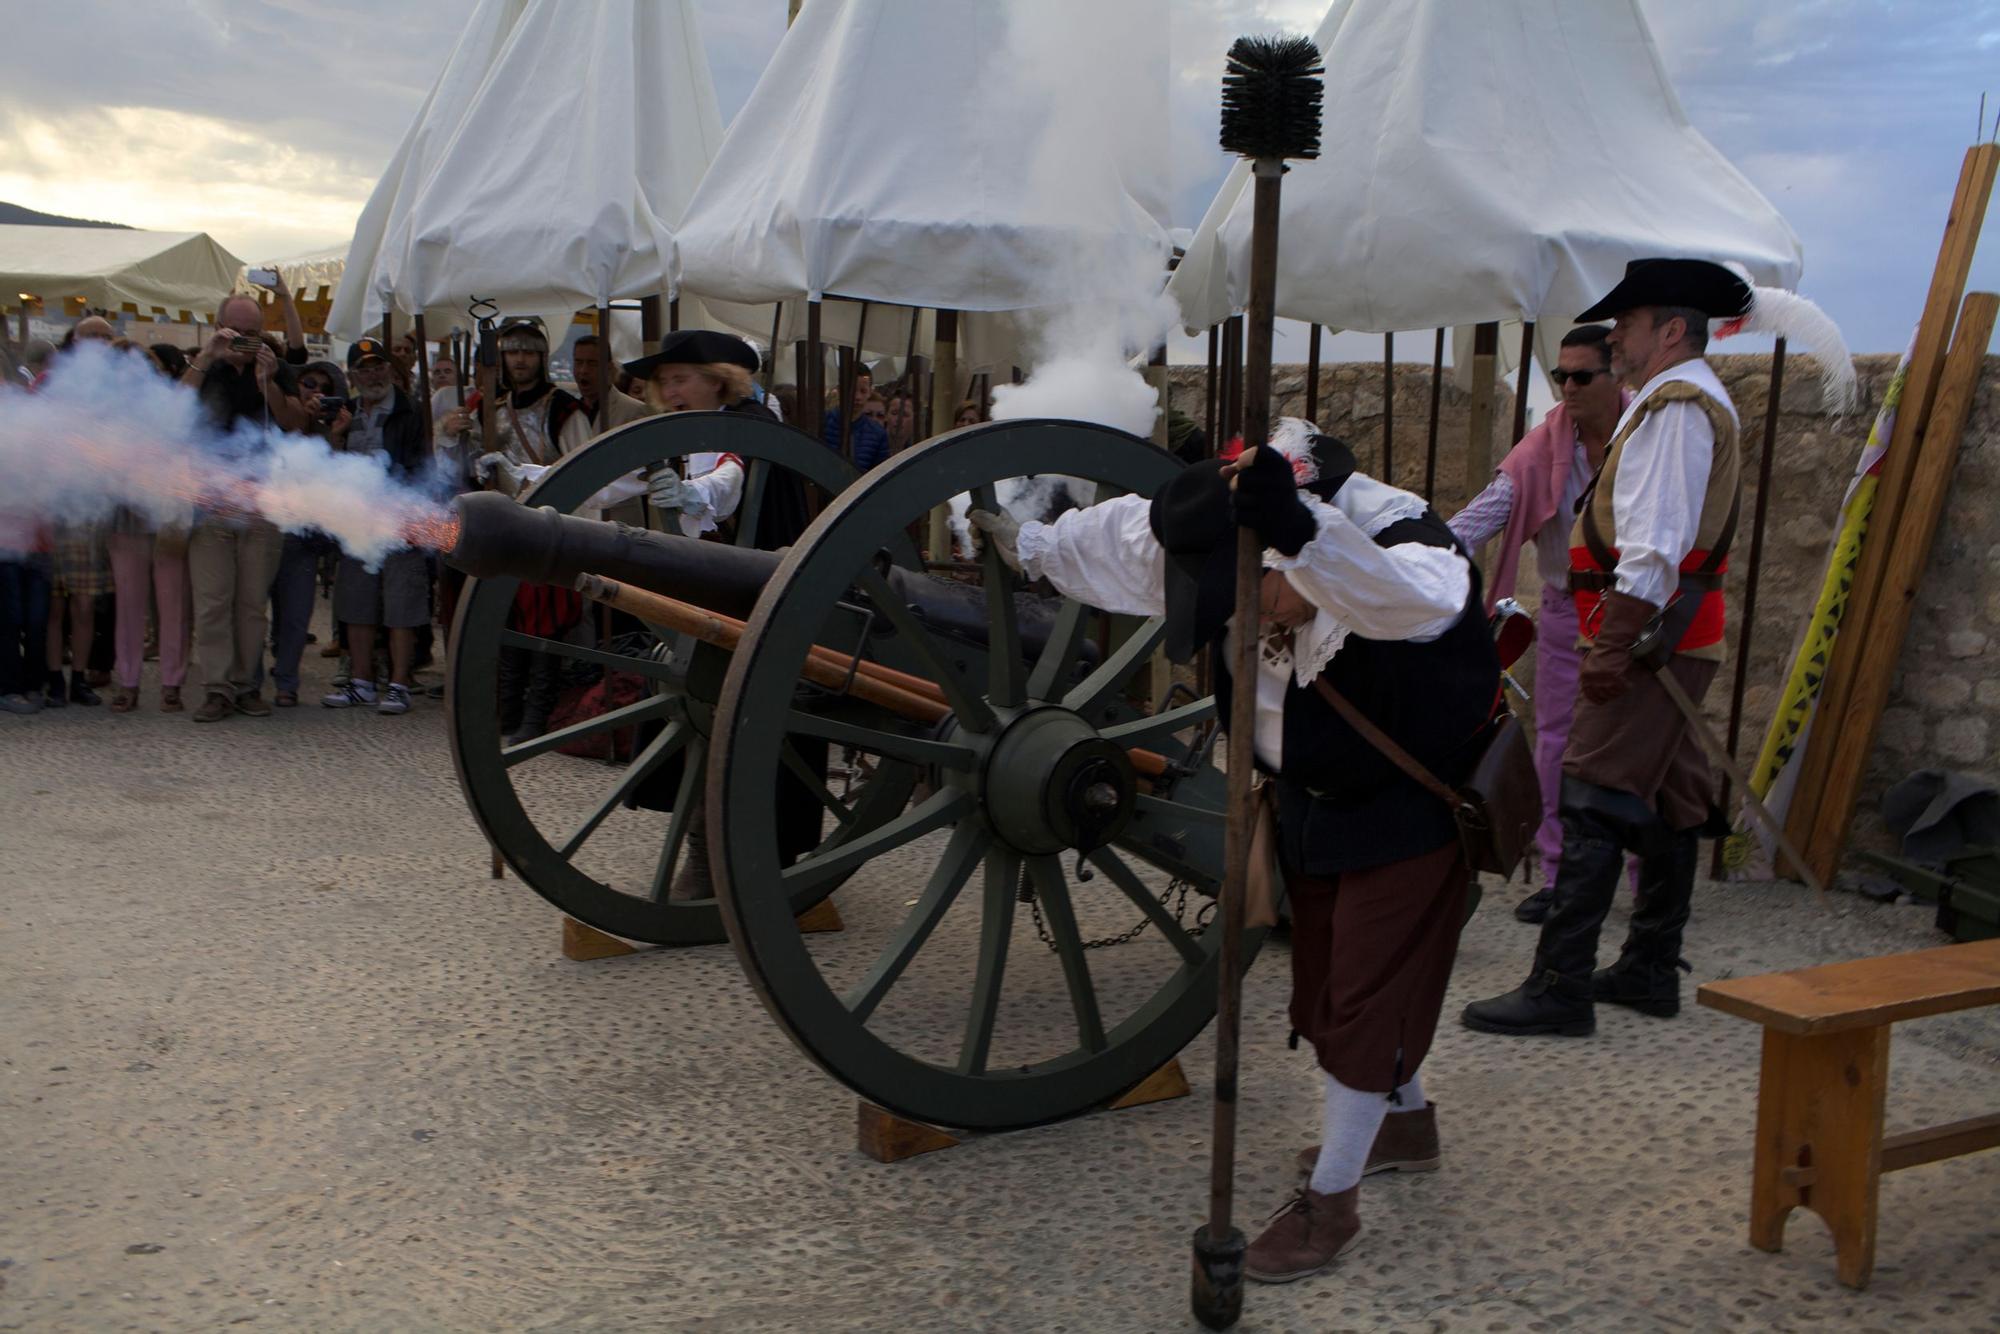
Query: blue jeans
[[291, 610], [24, 614]]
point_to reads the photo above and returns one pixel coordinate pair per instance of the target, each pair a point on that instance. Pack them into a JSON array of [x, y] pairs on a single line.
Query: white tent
[[958, 154], [111, 267], [1483, 162], [303, 274], [545, 171]]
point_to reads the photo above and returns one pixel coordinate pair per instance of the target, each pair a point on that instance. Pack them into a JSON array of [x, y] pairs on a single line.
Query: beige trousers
[[231, 566]]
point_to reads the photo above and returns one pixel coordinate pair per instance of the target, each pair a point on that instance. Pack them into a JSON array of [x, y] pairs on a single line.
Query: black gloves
[[1267, 502]]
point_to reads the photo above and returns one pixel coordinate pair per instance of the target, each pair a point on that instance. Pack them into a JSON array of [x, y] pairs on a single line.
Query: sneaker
[[20, 704], [396, 699], [215, 708], [350, 694]]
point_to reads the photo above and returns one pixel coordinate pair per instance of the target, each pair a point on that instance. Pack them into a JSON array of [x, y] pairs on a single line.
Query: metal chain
[[1176, 897]]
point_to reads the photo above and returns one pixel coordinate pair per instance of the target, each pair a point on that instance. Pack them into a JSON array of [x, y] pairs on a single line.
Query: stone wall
[[1944, 708]]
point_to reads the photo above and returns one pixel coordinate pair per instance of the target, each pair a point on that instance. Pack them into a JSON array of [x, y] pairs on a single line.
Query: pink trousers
[[135, 561], [1557, 662]]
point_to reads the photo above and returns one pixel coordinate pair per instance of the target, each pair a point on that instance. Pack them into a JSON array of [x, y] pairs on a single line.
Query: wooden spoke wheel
[[965, 990], [569, 826]]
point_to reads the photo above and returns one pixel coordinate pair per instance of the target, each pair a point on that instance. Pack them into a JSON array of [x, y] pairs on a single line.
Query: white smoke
[[106, 430], [1100, 74]]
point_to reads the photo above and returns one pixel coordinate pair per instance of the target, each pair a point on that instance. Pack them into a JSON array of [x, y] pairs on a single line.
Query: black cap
[[697, 347], [1699, 284], [366, 349], [1193, 520]]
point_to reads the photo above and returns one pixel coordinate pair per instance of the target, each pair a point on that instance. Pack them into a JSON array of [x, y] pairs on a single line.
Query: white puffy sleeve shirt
[[1662, 479]]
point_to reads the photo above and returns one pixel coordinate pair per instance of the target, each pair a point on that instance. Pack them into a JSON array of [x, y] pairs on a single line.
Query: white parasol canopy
[[1482, 162], [545, 171]]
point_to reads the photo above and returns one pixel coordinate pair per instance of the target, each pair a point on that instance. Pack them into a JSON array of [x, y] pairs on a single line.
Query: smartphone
[[245, 344], [262, 277], [331, 407]]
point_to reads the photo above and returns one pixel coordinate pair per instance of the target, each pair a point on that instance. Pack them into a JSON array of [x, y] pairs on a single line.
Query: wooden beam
[[1948, 279], [1479, 431], [1913, 1148], [1908, 553]]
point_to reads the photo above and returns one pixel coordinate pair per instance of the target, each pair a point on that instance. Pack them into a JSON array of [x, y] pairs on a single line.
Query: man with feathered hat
[[1367, 592], [1648, 553]]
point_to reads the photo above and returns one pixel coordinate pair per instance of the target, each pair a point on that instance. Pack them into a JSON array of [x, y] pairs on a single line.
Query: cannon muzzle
[[498, 538]]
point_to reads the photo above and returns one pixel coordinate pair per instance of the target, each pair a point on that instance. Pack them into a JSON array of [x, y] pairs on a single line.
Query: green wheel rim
[[1089, 1054]]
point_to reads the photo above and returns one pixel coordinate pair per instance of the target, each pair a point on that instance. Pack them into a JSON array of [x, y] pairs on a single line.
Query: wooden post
[[1312, 376], [1208, 394], [944, 408], [1758, 519], [1908, 548], [424, 383], [1954, 263], [649, 325], [1431, 432], [1479, 434], [771, 362], [674, 315], [1389, 408], [1232, 342], [844, 391], [812, 397], [1521, 384], [605, 367]]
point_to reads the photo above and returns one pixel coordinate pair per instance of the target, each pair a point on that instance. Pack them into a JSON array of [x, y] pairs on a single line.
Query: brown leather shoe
[[170, 699], [1407, 1142], [215, 708], [1305, 1236], [253, 705]]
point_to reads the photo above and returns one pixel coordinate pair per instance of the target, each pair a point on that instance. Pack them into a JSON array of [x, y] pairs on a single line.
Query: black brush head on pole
[[1271, 98]]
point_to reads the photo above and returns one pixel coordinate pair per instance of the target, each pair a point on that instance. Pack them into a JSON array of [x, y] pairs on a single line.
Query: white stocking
[[1351, 1119], [1408, 1097]]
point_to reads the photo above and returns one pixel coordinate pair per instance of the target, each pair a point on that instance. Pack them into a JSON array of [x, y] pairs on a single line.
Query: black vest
[[1342, 804]]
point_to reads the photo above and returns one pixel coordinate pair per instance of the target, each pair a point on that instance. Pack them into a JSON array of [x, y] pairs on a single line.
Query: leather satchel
[[1497, 808]]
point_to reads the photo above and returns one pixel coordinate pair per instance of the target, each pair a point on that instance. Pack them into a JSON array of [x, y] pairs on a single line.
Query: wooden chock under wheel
[[889, 1138]]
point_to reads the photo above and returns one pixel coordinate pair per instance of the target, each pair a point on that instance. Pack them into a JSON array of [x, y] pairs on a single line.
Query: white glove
[[664, 490], [1004, 531], [484, 466]]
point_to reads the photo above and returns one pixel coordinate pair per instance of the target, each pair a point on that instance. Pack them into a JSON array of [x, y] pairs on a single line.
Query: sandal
[[170, 699], [286, 699], [124, 700]]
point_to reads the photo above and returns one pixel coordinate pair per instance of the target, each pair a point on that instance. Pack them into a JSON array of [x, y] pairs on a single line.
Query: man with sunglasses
[[1532, 500]]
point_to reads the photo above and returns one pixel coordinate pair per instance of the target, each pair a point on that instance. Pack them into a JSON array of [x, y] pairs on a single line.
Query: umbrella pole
[[1208, 396], [1389, 408], [1521, 382], [424, 383], [1431, 433], [944, 411], [771, 361], [1312, 376]]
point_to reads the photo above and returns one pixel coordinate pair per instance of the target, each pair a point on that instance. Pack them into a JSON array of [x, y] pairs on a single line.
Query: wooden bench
[[1826, 1067]]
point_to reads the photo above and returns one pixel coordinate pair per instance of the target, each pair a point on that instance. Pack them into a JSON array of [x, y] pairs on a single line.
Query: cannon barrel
[[499, 538]]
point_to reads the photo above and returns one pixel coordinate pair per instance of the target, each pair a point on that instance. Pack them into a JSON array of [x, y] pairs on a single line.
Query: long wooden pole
[[1902, 574], [1479, 430], [1520, 388], [424, 383], [1954, 263], [1208, 405], [944, 412], [1312, 375], [1389, 408], [1758, 518], [1431, 432]]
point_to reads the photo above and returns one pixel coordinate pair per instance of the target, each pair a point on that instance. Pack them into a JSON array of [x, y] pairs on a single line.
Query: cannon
[[1032, 845]]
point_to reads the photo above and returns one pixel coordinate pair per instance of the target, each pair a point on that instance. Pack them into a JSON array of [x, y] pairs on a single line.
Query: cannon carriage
[[974, 755]]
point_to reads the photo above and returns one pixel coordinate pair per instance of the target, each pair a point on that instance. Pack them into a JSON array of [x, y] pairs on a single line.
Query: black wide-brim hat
[[1192, 518], [696, 347], [1699, 284]]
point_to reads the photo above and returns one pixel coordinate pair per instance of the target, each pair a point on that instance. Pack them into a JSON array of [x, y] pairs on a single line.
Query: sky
[[267, 122]]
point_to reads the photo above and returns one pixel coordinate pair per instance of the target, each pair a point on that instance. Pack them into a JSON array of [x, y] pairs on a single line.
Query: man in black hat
[[1366, 592], [1652, 536]]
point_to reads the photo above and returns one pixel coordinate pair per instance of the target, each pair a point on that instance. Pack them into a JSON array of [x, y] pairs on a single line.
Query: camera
[[262, 277], [245, 344], [331, 406]]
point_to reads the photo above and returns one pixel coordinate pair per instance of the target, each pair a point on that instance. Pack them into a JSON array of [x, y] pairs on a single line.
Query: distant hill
[[13, 215]]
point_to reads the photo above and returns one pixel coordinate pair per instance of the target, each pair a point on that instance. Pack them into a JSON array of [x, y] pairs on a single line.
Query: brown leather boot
[[1407, 1142], [1305, 1236]]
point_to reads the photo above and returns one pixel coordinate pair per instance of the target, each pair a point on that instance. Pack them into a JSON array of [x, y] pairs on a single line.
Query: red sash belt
[[1704, 630]]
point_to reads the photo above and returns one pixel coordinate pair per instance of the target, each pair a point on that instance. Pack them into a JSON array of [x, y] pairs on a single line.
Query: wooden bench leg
[[1819, 1140]]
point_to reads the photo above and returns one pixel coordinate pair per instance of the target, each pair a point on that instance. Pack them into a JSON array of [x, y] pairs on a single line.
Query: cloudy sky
[[266, 122]]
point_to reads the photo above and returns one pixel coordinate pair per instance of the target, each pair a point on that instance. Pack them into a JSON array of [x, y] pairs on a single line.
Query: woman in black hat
[[701, 370]]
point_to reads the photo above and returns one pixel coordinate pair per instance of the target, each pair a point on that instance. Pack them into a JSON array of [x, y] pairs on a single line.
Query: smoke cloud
[[1099, 72], [106, 430]]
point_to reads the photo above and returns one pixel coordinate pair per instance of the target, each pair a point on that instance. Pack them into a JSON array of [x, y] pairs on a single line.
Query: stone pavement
[[277, 1052]]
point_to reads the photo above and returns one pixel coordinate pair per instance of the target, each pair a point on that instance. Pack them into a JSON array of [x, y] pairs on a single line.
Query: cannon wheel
[[966, 1048], [547, 858]]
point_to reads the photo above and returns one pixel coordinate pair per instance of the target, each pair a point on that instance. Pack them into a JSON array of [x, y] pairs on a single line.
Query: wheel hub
[[1051, 782]]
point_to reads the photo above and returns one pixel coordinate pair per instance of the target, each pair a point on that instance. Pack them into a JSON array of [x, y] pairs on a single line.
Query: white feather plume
[[1801, 323]]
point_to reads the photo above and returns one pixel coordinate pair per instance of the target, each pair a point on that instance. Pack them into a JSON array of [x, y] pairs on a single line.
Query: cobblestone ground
[[277, 1051]]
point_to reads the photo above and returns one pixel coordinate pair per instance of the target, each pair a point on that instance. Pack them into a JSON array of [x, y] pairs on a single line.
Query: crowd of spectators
[[225, 600]]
